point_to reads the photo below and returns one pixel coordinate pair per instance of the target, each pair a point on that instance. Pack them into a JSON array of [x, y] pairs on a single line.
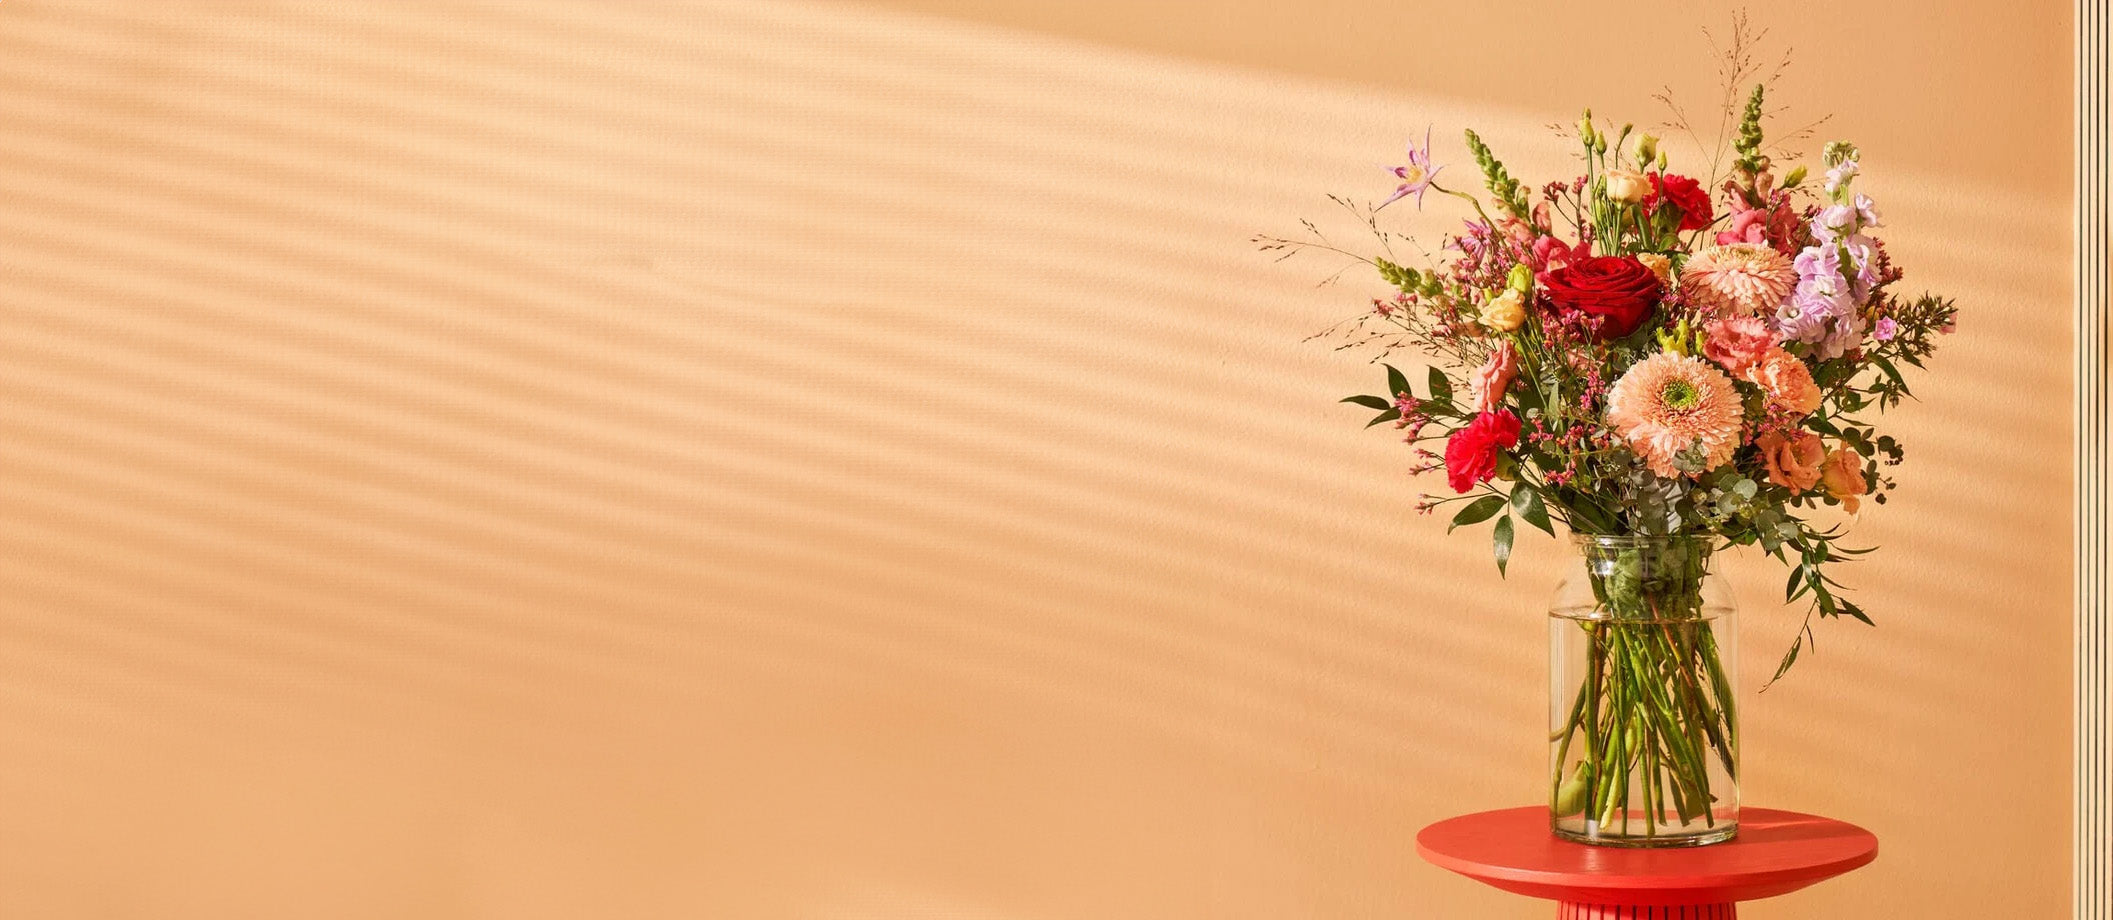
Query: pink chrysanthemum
[[1668, 404], [1738, 279]]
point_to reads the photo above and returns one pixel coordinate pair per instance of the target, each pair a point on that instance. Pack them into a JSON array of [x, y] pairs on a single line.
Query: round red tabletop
[[1776, 852]]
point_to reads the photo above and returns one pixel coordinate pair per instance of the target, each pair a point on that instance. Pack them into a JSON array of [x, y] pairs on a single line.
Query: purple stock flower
[[1840, 175], [1417, 175], [1867, 211]]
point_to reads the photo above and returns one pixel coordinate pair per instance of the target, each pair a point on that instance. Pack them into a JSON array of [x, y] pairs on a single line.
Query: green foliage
[[1477, 511], [1500, 543]]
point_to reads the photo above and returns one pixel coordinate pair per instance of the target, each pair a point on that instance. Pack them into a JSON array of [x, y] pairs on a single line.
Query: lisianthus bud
[[1661, 161], [1521, 278], [1646, 151], [1627, 186], [1505, 312], [1796, 176]]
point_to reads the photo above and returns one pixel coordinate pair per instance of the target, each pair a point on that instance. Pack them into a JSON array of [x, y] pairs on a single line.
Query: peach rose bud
[[1843, 474]]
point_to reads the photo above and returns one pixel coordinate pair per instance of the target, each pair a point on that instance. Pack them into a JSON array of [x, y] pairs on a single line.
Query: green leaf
[[1527, 504], [1795, 586], [1370, 402], [1500, 542], [1441, 388], [1789, 658], [1387, 416], [1857, 612], [1477, 511], [1396, 382], [1745, 488], [1891, 372]]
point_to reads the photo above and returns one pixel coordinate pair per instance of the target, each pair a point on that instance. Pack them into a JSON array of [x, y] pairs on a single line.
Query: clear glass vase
[[1643, 677]]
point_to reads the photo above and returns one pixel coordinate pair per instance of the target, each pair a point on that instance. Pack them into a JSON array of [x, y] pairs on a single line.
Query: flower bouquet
[[1664, 366]]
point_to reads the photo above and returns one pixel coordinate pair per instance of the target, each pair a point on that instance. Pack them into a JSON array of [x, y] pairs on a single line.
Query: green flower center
[[1680, 394]]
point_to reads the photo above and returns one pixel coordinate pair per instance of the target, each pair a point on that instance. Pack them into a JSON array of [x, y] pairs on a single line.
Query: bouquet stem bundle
[[1648, 747]]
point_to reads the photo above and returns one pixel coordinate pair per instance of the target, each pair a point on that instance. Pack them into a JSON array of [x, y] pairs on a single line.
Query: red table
[[1776, 852]]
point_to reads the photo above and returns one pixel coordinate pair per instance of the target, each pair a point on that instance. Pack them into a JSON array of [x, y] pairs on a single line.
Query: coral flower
[[1487, 388], [1786, 381], [1843, 474], [1739, 279], [1793, 462], [1416, 176], [1669, 404], [1737, 343]]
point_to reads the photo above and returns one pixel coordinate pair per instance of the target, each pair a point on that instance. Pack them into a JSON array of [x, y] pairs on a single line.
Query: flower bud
[[1796, 176], [1505, 312], [1626, 186], [1521, 278], [1646, 151]]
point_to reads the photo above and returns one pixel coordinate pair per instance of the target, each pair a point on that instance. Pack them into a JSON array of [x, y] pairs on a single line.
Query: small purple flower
[[1886, 329], [1862, 254], [1839, 176], [1867, 211], [1834, 222], [1417, 175]]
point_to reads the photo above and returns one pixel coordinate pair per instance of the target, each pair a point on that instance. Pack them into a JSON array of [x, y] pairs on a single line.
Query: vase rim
[[1637, 539]]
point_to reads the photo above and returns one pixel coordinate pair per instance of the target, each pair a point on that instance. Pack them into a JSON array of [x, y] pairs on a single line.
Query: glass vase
[[1643, 677]]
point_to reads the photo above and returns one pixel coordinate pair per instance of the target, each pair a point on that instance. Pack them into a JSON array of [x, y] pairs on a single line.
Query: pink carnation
[[1737, 343], [1487, 388], [1788, 384]]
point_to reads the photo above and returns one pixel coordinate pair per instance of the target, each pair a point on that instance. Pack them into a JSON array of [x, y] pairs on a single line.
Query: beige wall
[[796, 460]]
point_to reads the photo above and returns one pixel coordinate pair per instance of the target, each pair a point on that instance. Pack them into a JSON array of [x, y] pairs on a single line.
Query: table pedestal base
[[1722, 910]]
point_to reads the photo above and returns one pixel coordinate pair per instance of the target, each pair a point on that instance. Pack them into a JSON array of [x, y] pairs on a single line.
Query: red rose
[[1618, 289], [1685, 194], [1471, 453]]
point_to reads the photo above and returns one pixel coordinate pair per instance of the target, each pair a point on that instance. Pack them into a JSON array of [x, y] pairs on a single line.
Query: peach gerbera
[[1668, 404], [1738, 279]]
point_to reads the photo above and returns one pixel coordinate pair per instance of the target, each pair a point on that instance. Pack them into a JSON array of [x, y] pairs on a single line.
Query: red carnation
[[1618, 289], [1685, 194], [1471, 453]]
